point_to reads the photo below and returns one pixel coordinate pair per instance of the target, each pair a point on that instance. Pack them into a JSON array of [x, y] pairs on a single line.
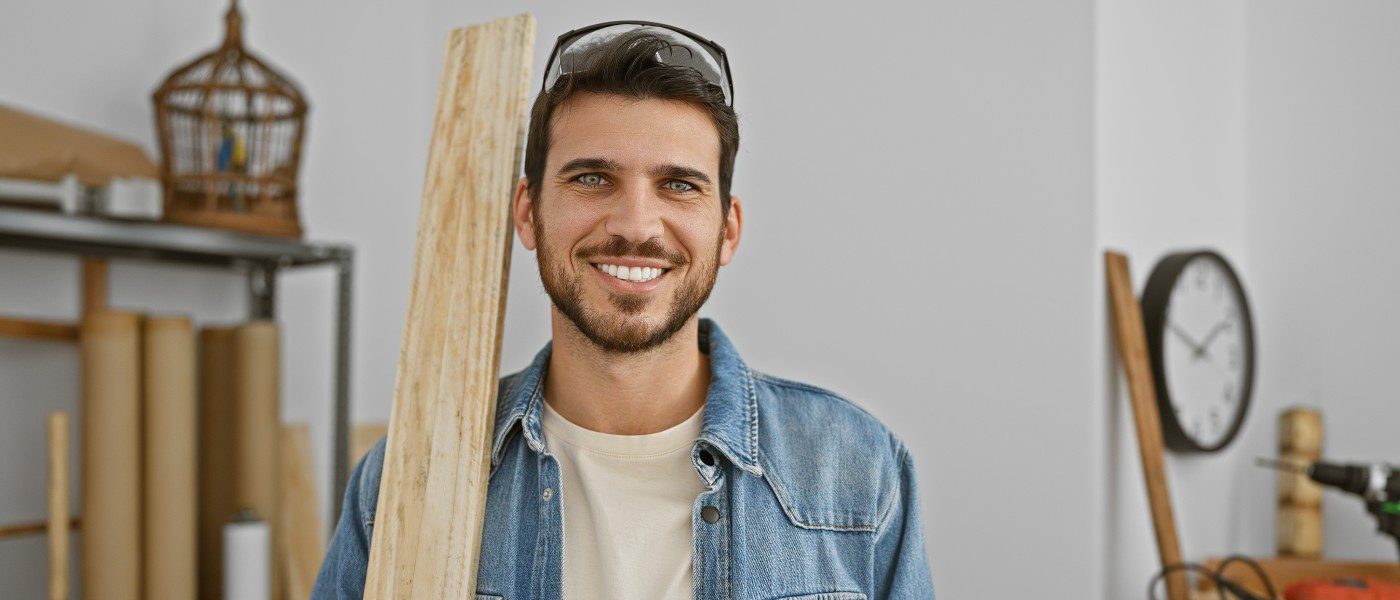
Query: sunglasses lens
[[683, 51]]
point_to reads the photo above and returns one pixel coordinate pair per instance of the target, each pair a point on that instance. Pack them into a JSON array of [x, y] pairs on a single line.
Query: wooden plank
[[433, 490], [59, 510], [29, 329], [302, 544], [1285, 571], [1132, 349]]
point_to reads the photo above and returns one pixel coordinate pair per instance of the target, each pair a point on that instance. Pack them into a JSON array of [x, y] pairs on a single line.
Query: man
[[638, 456]]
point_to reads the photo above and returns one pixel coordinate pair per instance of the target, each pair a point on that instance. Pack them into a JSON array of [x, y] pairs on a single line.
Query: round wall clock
[[1201, 338]]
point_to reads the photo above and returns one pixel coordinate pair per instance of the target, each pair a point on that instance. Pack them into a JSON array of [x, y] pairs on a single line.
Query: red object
[[1343, 589]]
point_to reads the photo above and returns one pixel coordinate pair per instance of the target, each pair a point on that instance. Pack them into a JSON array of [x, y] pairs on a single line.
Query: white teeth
[[636, 274]]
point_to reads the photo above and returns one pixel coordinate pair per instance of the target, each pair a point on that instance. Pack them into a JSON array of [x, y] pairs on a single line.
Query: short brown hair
[[627, 66]]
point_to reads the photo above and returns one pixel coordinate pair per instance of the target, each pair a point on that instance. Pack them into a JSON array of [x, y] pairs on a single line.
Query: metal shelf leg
[[340, 463]]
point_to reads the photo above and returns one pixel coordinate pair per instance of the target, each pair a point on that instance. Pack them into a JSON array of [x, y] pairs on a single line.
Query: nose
[[635, 214]]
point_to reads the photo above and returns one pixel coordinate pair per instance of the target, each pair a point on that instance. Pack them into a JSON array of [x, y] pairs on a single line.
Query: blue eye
[[590, 179], [677, 185]]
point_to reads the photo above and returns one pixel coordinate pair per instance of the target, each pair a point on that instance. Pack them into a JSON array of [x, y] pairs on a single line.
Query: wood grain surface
[[1132, 350], [432, 495], [59, 511]]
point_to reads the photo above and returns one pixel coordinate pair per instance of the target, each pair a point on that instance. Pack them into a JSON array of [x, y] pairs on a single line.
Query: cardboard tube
[[258, 422], [218, 433], [170, 462], [111, 456], [58, 506]]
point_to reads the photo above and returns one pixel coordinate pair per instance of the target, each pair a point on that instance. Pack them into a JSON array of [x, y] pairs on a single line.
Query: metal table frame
[[260, 257]]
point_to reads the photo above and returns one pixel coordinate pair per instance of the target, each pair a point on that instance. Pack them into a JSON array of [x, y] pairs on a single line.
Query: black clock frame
[[1156, 299]]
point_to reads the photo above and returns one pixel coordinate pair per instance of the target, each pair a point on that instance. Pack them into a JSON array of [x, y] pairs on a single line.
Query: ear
[[733, 227], [524, 216]]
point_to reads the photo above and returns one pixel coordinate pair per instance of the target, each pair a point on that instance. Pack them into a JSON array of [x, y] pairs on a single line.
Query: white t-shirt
[[627, 506]]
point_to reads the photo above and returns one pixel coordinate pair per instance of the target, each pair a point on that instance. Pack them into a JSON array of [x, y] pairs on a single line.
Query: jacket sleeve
[[342, 575], [901, 565]]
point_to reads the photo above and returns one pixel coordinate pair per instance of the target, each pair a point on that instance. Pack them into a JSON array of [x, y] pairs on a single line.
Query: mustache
[[619, 246]]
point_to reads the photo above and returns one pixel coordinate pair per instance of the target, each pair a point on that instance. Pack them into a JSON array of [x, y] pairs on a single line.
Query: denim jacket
[[816, 499]]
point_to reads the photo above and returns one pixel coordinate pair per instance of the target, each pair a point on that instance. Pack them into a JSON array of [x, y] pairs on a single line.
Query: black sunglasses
[[715, 70]]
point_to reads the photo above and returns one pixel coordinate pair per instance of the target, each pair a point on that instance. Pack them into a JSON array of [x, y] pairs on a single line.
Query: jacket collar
[[730, 422]]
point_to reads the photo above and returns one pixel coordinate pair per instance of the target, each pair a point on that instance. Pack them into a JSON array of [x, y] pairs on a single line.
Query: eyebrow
[[679, 172], [589, 164]]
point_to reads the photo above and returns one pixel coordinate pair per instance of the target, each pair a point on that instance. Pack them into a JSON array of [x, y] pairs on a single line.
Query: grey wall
[[1267, 130], [928, 187]]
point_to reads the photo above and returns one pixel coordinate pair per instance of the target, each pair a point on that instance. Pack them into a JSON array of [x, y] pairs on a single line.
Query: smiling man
[[638, 456]]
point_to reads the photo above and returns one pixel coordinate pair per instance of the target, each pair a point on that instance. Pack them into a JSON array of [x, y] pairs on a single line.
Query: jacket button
[[710, 514], [547, 494]]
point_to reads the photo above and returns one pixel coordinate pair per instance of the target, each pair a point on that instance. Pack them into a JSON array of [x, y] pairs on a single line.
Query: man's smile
[[633, 278]]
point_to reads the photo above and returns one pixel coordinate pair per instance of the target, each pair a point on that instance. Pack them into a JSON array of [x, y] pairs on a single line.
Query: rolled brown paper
[[171, 540], [111, 456], [1300, 432], [1300, 532], [1297, 489], [256, 397], [218, 434], [58, 506]]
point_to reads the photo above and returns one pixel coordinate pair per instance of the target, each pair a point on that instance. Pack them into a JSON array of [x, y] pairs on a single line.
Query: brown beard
[[620, 334]]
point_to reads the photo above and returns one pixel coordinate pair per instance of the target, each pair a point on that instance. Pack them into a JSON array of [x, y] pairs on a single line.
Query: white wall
[[1267, 130], [919, 236], [928, 185], [1324, 175], [1170, 175]]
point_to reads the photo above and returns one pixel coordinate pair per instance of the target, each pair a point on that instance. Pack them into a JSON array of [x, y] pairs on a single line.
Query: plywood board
[[433, 492]]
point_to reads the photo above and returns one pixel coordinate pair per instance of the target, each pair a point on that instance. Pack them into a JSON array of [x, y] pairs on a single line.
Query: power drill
[[1377, 485]]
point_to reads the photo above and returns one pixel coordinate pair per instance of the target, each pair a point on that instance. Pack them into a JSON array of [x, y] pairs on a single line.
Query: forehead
[[633, 133]]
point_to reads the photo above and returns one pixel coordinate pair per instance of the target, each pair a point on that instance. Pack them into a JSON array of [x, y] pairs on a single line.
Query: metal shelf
[[261, 257]]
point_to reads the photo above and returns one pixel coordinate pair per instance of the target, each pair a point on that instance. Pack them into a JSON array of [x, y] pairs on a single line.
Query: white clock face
[[1204, 348]]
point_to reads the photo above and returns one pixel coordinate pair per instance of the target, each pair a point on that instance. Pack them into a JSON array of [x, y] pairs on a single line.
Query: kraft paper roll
[[247, 563], [171, 540], [258, 407], [218, 434], [111, 455]]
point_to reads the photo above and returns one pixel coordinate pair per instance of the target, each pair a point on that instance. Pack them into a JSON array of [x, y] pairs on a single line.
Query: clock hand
[[1219, 327], [1196, 350]]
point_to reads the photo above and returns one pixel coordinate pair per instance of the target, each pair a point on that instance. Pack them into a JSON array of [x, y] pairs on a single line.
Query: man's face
[[629, 226]]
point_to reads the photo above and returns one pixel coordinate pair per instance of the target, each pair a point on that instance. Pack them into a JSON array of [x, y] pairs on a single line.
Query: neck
[[625, 394]]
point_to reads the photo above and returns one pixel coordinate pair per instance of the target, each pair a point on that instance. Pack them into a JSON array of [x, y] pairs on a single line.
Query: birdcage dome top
[[231, 68]]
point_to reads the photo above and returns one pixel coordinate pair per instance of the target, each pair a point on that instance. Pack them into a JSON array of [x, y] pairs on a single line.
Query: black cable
[[1217, 576], [1253, 565]]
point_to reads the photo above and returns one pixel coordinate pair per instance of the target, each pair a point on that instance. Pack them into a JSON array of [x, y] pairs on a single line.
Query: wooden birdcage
[[230, 130]]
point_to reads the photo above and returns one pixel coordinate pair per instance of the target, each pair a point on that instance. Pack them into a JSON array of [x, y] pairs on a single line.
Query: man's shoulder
[[833, 464], [793, 406]]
